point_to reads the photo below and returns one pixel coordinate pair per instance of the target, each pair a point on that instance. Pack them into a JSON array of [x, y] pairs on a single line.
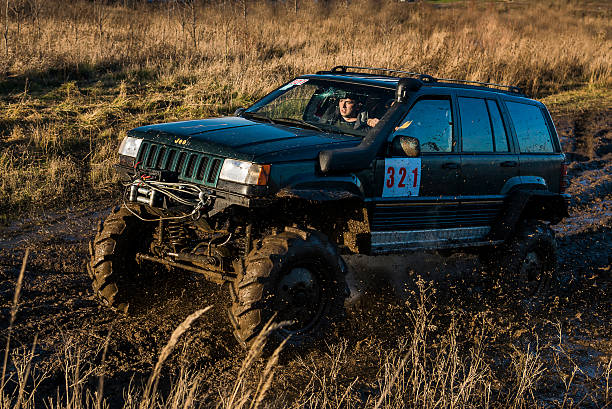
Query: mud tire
[[268, 287], [112, 266], [528, 260]]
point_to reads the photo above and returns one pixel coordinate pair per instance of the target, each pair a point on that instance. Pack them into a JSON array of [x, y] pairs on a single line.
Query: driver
[[349, 114]]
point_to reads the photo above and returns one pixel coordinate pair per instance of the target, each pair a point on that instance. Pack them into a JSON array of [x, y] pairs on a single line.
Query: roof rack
[[343, 69]]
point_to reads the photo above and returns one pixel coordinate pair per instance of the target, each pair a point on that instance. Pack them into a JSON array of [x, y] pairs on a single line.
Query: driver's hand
[[372, 122]]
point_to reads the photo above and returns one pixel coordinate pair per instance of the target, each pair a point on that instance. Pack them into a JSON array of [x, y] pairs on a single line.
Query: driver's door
[[432, 200]]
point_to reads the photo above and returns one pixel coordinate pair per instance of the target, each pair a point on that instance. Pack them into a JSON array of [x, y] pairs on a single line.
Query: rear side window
[[476, 132], [431, 122], [482, 129], [499, 132], [531, 129]]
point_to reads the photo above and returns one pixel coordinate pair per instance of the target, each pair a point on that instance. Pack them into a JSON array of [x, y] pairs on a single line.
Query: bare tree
[[74, 16], [6, 27], [18, 10], [100, 16], [36, 8], [194, 26]]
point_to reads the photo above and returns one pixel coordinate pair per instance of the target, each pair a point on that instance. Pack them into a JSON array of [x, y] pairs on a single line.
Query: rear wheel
[[116, 275], [296, 276], [528, 260]]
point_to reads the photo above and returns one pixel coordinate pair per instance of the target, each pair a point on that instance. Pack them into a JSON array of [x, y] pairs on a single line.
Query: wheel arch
[[522, 204]]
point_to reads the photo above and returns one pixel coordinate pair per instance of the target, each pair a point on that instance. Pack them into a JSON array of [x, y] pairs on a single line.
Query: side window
[[431, 122], [499, 132], [531, 129], [476, 132]]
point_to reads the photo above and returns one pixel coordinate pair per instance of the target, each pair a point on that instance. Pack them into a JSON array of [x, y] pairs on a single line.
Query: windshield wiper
[[254, 115], [300, 122]]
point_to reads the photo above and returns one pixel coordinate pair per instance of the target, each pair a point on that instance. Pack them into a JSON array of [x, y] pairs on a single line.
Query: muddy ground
[[570, 326]]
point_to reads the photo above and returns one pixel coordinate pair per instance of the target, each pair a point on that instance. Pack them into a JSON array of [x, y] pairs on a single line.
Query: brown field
[[75, 76]]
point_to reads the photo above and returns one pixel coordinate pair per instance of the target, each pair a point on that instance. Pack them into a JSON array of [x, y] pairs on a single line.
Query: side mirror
[[239, 111], [404, 145]]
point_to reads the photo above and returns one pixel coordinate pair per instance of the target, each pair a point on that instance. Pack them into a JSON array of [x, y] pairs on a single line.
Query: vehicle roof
[[387, 81]]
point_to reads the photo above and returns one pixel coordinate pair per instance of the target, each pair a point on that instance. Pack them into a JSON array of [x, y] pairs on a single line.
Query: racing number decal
[[402, 173], [402, 177]]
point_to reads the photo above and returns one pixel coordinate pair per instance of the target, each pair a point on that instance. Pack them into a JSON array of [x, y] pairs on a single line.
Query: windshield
[[326, 106]]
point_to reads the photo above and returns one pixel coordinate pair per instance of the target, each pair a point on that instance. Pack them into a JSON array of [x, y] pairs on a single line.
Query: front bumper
[[219, 198]]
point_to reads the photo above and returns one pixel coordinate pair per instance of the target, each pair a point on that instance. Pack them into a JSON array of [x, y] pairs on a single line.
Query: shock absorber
[[176, 235]]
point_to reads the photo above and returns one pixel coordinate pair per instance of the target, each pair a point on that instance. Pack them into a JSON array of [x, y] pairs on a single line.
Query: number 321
[[402, 176]]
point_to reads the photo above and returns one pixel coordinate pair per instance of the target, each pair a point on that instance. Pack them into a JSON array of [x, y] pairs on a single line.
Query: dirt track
[[57, 304]]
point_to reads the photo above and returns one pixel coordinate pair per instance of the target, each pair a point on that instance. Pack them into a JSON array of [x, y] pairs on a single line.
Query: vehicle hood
[[240, 138]]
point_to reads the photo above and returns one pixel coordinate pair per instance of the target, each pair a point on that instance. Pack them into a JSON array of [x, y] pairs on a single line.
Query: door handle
[[450, 165], [509, 164]]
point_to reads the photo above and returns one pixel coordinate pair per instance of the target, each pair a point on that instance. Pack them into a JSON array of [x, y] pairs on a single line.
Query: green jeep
[[346, 161]]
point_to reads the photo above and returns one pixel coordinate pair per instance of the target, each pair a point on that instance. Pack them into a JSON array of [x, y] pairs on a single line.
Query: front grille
[[190, 163], [170, 160], [214, 170], [151, 156], [202, 167], [160, 157], [143, 151], [180, 162], [190, 166]]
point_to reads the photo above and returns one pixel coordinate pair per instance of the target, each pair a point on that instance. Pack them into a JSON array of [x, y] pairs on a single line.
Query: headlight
[[129, 146], [244, 172]]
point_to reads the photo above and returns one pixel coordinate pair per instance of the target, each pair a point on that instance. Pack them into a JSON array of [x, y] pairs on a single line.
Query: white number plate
[[402, 177]]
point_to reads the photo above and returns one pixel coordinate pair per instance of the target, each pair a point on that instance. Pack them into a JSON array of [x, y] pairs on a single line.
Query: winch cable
[[157, 219], [166, 188]]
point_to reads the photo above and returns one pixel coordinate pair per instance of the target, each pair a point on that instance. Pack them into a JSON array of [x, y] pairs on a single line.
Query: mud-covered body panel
[[244, 139], [460, 190]]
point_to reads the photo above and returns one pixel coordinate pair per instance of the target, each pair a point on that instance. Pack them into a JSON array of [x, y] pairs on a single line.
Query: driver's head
[[349, 105]]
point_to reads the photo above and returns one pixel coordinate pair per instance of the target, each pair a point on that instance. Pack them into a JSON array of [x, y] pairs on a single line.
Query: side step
[[385, 242]]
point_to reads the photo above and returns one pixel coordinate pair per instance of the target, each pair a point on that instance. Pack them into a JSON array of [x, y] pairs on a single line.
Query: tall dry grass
[[75, 76], [540, 45]]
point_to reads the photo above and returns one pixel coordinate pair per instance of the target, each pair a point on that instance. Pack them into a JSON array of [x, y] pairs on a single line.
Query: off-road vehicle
[[267, 200]]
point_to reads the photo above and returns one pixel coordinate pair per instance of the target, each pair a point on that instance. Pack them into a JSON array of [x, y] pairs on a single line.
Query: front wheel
[[116, 274], [296, 277]]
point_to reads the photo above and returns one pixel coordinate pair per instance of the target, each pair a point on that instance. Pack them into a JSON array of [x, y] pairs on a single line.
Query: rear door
[[488, 160], [487, 157]]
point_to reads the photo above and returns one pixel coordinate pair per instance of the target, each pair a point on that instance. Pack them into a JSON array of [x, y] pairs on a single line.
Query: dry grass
[[542, 45], [76, 78], [427, 368]]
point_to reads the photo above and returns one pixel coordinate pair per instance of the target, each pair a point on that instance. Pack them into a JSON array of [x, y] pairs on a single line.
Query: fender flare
[[528, 204], [324, 189]]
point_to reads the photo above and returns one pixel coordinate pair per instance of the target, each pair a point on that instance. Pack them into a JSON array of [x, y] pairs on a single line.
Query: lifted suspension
[[215, 276]]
